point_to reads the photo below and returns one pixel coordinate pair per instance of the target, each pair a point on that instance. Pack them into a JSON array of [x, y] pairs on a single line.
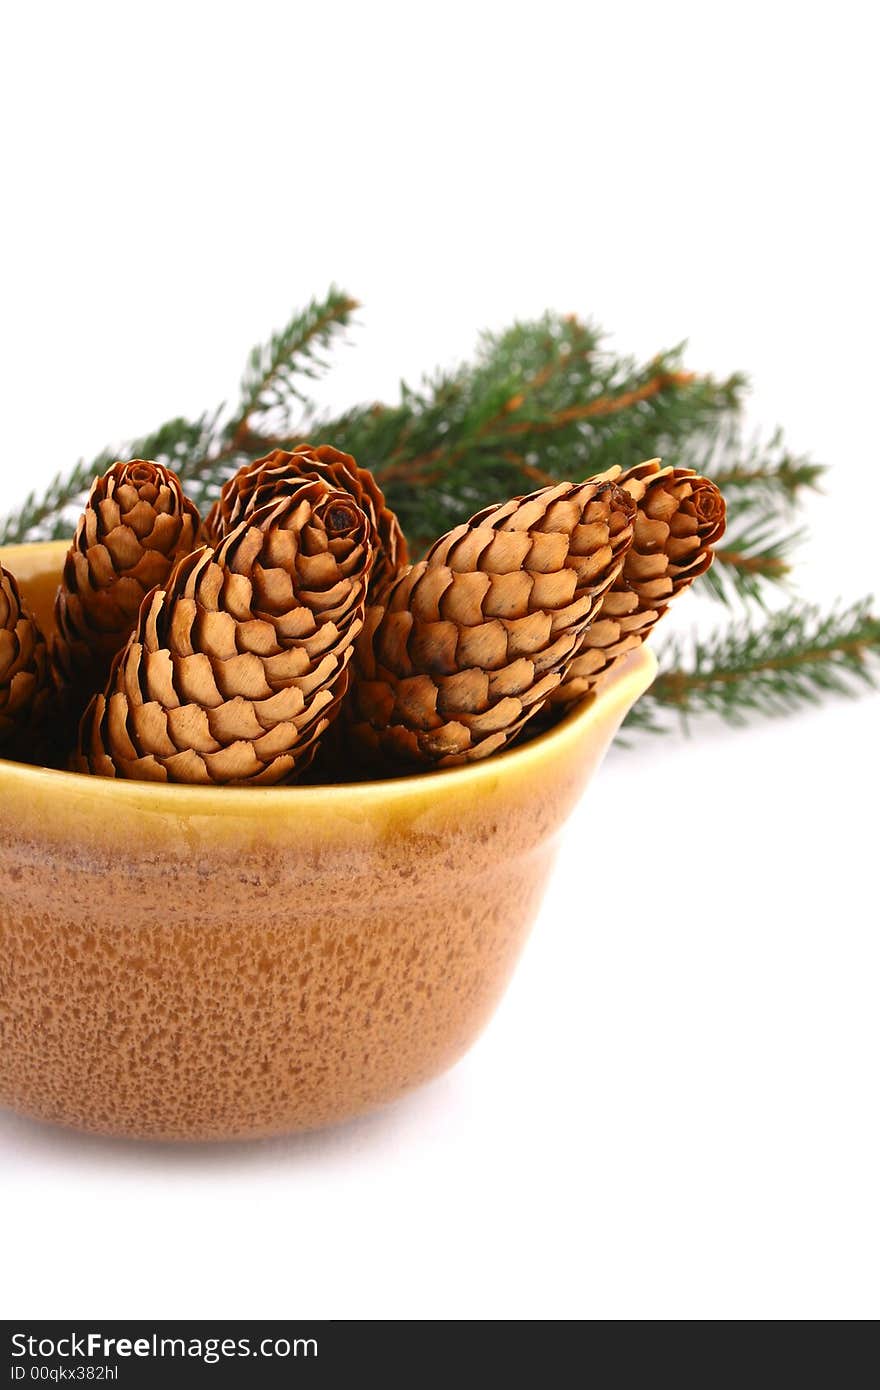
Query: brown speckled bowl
[[191, 963]]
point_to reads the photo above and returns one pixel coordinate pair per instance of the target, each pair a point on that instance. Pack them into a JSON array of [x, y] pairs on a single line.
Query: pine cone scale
[[468, 643], [24, 675], [238, 665], [281, 473], [136, 524], [679, 518]]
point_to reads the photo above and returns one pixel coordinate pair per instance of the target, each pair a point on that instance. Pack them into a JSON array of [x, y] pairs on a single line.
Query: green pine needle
[[748, 563], [541, 402], [271, 381], [792, 658], [53, 515], [764, 478]]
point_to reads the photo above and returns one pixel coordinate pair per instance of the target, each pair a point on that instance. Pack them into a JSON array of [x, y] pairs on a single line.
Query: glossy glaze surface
[[196, 963]]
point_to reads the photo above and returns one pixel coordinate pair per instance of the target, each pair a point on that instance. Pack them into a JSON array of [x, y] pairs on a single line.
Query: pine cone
[[279, 473], [471, 640], [137, 523], [236, 669], [679, 518], [24, 675]]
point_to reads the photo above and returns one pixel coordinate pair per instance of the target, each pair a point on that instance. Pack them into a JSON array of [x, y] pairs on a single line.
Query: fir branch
[[201, 451], [770, 481], [749, 562], [541, 402], [270, 383], [37, 515], [762, 485], [795, 657], [52, 517], [179, 443], [764, 477]]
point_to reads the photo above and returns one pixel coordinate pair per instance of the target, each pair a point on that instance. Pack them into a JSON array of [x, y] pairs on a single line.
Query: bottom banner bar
[[142, 1353]]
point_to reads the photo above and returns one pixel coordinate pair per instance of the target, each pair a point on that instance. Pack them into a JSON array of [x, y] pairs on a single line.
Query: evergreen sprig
[[750, 561], [763, 476], [270, 385], [790, 658], [543, 401], [52, 515]]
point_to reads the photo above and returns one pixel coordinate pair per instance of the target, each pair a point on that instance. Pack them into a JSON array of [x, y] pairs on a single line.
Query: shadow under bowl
[[197, 963]]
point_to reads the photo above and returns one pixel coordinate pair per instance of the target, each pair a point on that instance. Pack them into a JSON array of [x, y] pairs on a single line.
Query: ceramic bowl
[[198, 963]]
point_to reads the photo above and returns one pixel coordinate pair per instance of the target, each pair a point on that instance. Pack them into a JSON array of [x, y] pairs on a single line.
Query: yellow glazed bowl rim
[[621, 689]]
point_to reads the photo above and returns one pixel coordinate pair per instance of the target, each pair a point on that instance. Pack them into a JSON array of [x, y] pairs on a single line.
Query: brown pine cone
[[24, 676], [236, 669], [275, 476], [137, 523], [679, 518], [471, 640]]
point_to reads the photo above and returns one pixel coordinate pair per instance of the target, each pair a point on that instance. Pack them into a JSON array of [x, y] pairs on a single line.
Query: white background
[[674, 1113]]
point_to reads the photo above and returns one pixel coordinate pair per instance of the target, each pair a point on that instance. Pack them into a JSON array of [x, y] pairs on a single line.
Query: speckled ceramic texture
[[191, 963]]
